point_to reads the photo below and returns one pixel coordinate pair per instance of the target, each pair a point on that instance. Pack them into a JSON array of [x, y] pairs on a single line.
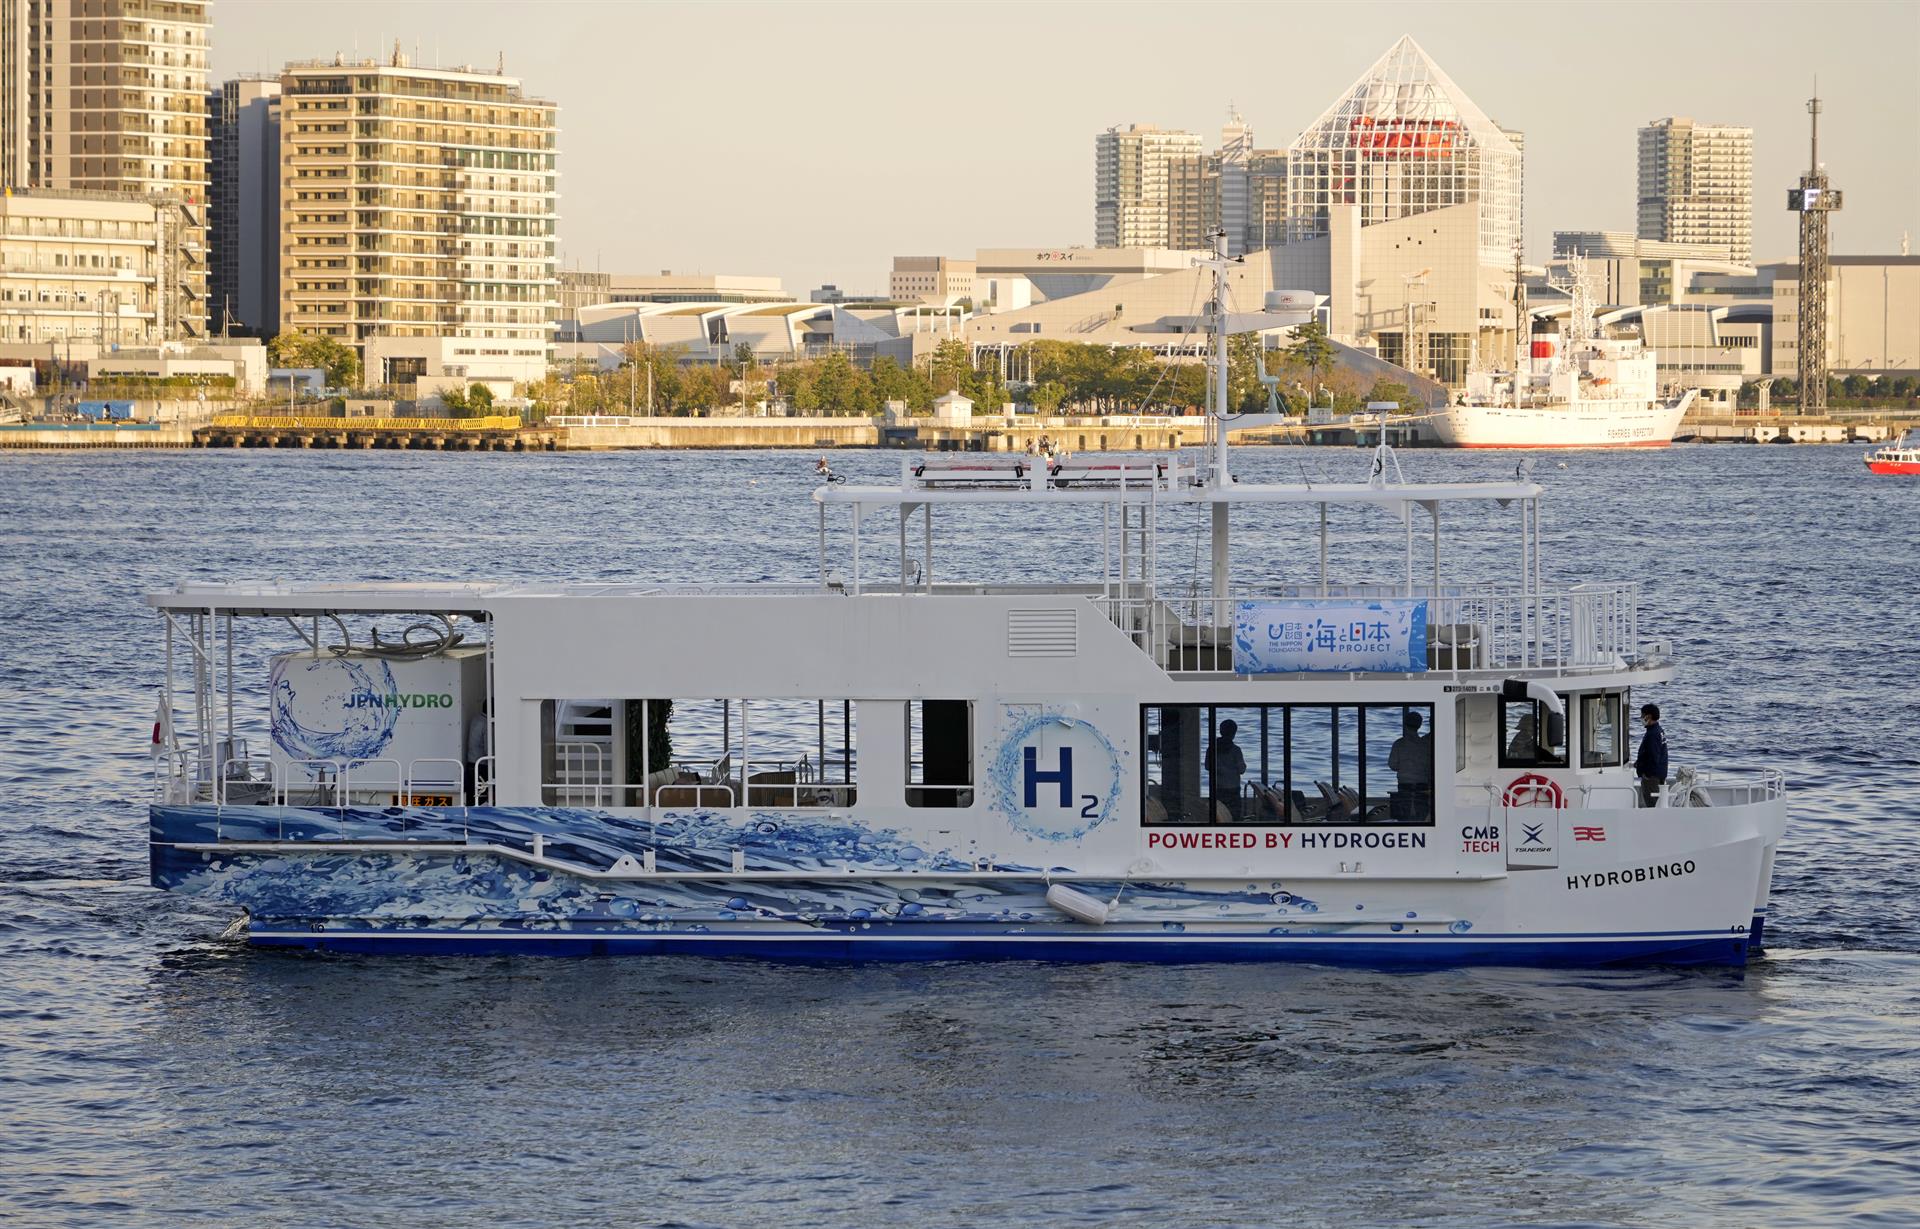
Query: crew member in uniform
[[1651, 764]]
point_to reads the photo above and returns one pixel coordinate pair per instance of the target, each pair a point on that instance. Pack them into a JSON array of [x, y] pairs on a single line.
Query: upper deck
[[1185, 628]]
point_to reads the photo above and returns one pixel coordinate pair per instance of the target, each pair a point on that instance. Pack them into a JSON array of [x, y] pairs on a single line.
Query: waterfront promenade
[[984, 433]]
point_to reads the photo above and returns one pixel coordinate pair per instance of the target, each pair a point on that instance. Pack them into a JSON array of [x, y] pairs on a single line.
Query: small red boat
[[1900, 458]]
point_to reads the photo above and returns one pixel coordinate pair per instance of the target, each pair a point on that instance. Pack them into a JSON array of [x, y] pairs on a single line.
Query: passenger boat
[[1573, 389], [893, 760], [1898, 458]]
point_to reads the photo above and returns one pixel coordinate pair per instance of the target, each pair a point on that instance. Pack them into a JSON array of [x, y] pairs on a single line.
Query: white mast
[[1218, 263], [1221, 478]]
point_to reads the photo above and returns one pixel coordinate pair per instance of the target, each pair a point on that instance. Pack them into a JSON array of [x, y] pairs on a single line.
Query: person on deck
[[1650, 765], [1412, 760], [477, 751], [1229, 766]]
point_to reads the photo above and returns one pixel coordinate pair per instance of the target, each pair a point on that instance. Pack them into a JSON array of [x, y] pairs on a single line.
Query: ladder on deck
[[1133, 585]]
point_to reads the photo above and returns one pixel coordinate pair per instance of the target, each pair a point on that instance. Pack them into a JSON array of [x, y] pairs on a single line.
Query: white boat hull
[[1584, 424], [1670, 887]]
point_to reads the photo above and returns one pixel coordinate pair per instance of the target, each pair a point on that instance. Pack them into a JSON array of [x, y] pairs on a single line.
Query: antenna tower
[[1813, 200]]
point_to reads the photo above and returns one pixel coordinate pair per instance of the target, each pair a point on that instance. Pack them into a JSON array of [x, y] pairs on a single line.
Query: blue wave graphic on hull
[[443, 880]]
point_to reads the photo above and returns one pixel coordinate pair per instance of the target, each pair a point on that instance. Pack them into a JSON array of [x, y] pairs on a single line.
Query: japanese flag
[[162, 726]]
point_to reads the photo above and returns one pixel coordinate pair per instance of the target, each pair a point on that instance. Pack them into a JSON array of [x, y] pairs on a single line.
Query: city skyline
[[938, 187]]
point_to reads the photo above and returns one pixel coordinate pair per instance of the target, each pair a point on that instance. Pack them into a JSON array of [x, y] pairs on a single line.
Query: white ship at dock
[[1572, 389], [892, 760]]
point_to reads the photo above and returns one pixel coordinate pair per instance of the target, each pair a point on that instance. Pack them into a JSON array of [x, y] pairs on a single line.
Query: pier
[[498, 433], [63, 435]]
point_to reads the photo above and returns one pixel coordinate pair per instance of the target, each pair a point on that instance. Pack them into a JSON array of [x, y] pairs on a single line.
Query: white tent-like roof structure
[[1402, 140]]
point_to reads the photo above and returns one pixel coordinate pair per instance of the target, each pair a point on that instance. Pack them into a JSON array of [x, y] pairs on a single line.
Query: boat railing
[[324, 786], [1590, 627], [1699, 787], [237, 785], [444, 784]]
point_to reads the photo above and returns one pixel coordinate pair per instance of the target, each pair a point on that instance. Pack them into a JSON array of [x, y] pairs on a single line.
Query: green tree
[[474, 401], [839, 387], [1391, 390], [892, 382], [951, 368], [548, 395], [331, 355], [645, 370], [988, 389], [746, 369], [1311, 349], [704, 388], [585, 395], [1047, 395]]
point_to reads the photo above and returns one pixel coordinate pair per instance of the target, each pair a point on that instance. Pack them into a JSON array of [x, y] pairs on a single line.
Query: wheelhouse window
[[1288, 764], [939, 753], [1601, 744], [1531, 735]]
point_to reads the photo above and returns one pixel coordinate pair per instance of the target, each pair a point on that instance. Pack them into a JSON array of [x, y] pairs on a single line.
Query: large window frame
[[1543, 719], [1616, 701], [609, 752], [1272, 739]]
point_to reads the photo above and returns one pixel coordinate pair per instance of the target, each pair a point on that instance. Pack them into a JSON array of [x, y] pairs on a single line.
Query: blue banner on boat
[[1336, 635]]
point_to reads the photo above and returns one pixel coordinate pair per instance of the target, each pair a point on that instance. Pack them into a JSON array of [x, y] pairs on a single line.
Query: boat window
[[1399, 761], [701, 754], [1288, 764], [1231, 767], [1531, 735], [1173, 740], [1600, 743], [939, 753]]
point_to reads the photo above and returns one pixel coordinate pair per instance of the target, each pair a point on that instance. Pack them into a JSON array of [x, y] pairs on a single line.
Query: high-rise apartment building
[[1266, 199], [1236, 191], [87, 266], [243, 210], [417, 203], [1131, 183], [1193, 201], [1696, 185], [1405, 140], [110, 96], [1158, 188], [16, 116]]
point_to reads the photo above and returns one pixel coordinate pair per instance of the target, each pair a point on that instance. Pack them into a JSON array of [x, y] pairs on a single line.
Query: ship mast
[[1218, 264], [1221, 477]]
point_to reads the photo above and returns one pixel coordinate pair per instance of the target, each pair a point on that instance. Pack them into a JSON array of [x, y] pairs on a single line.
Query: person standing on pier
[[1651, 763]]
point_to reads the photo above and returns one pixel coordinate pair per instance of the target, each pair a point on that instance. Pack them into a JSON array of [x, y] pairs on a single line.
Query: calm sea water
[[152, 1072]]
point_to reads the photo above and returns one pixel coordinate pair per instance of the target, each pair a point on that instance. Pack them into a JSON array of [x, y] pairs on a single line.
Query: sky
[[816, 141]]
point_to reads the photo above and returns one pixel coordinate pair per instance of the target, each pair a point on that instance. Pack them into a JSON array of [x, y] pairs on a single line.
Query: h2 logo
[[1033, 778], [1055, 777]]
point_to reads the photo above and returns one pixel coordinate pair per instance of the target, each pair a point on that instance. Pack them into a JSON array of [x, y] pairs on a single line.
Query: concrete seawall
[[639, 432], [90, 435]]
